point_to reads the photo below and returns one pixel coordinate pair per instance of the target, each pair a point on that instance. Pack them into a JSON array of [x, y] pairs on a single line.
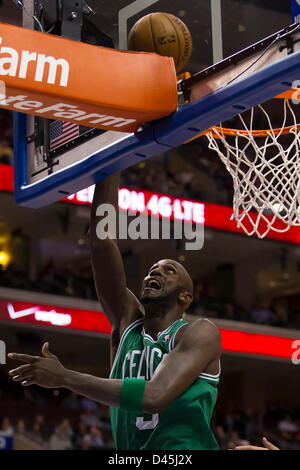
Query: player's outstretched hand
[[46, 371], [267, 446]]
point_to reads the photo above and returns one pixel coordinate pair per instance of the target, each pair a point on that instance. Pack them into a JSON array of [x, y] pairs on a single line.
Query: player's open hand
[[46, 371], [267, 446]]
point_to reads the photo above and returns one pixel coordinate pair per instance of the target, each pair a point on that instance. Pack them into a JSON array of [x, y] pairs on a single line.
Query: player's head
[[168, 283]]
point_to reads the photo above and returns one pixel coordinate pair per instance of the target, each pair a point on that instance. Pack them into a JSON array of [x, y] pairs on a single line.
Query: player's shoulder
[[203, 323], [203, 326], [198, 331]]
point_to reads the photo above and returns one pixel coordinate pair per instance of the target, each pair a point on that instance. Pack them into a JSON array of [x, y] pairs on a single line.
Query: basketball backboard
[[219, 28]]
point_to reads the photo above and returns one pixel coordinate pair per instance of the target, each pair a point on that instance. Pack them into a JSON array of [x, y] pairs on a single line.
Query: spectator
[[79, 435], [65, 424], [85, 445], [229, 311], [6, 152], [221, 437], [71, 402], [94, 438], [6, 427], [60, 439], [262, 314], [251, 426], [281, 314], [89, 418], [92, 405], [20, 428], [236, 440], [37, 432], [40, 425], [287, 427]]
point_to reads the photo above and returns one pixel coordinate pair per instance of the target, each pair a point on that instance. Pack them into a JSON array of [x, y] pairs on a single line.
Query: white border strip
[[216, 27], [126, 13], [209, 378]]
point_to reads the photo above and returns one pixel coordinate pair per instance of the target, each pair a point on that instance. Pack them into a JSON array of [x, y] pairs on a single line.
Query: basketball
[[164, 34]]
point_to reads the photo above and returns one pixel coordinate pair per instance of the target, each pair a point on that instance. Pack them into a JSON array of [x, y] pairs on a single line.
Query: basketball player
[[163, 382]]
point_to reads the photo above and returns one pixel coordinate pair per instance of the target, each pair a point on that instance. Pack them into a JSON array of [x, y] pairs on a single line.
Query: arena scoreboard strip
[[214, 216], [54, 316], [237, 341]]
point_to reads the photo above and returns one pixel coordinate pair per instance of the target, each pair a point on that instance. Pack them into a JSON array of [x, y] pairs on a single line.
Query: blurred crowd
[[281, 312], [66, 281], [53, 419], [238, 428], [6, 137], [61, 420], [73, 282], [191, 172]]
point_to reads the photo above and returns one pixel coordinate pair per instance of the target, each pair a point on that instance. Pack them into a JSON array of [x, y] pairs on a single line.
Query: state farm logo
[[15, 64], [53, 317], [59, 111]]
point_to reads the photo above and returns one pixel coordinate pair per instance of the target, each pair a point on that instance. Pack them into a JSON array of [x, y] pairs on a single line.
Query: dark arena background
[[249, 287]]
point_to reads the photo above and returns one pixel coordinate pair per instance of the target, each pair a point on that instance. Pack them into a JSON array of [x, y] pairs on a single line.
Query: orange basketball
[[162, 33]]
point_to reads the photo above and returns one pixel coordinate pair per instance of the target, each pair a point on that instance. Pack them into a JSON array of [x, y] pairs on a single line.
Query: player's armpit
[[199, 345]]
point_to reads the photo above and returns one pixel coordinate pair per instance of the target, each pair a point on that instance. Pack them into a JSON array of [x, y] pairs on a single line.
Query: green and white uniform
[[185, 424]]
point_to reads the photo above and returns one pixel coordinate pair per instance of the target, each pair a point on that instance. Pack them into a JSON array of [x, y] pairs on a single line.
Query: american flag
[[62, 132]]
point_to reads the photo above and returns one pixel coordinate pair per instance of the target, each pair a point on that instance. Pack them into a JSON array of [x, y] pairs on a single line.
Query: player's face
[[162, 282]]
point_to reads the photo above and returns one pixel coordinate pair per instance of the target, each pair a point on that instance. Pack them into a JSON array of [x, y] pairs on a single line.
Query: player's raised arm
[[120, 305]]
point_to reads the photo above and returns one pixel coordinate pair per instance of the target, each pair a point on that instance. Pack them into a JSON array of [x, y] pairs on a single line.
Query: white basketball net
[[265, 172]]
